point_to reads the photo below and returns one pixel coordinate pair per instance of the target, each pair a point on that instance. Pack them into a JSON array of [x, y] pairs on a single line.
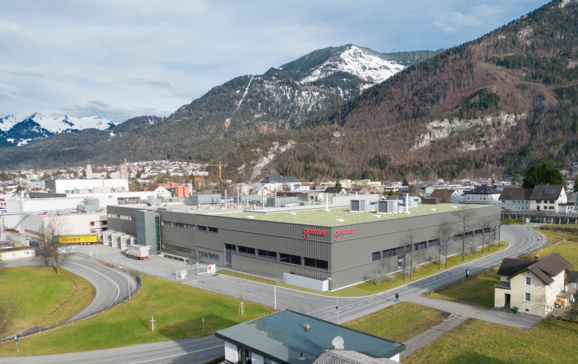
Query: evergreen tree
[[338, 184], [405, 182], [542, 174]]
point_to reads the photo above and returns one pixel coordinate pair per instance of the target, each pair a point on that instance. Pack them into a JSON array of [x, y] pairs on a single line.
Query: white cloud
[[135, 57], [455, 21]]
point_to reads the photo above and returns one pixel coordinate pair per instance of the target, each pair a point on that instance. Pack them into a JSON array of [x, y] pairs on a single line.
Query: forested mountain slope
[[492, 105]]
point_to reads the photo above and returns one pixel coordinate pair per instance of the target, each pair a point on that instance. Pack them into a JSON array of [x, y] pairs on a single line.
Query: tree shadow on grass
[[194, 327]]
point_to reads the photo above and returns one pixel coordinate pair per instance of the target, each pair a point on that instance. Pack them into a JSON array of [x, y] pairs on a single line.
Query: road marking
[[369, 301], [360, 305], [326, 315], [117, 287], [172, 356], [349, 308]]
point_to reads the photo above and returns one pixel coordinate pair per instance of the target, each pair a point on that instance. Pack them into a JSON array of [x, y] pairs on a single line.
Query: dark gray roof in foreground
[[281, 338]]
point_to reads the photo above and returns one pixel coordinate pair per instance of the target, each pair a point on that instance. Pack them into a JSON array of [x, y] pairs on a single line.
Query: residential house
[[336, 190], [289, 337], [160, 191], [446, 195], [532, 286], [283, 184], [517, 199], [548, 197], [244, 189], [482, 195]]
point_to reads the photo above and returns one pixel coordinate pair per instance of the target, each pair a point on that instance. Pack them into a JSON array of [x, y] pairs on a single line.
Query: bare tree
[[444, 233], [9, 312], [49, 249], [486, 225], [408, 242], [464, 213]]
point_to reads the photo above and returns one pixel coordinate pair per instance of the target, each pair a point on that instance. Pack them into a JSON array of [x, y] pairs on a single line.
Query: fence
[[79, 316]]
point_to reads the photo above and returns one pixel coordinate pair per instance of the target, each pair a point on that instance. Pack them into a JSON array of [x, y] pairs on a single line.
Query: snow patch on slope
[[358, 62]]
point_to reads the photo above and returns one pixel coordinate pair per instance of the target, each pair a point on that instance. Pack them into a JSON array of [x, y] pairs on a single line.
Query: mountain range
[[16, 130], [245, 107], [494, 105]]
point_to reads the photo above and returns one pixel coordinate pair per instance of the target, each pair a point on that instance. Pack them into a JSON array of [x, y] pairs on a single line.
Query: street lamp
[[127, 280], [337, 306]]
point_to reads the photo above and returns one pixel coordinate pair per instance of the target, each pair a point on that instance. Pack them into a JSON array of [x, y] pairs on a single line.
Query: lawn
[[478, 290], [399, 322], [512, 222], [43, 295], [368, 289], [178, 311], [480, 342]]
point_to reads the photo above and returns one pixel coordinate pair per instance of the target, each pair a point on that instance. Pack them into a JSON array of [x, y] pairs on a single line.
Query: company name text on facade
[[307, 232], [342, 232]]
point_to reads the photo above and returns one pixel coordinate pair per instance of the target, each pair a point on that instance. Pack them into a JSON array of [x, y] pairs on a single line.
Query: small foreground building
[[288, 337], [532, 286]]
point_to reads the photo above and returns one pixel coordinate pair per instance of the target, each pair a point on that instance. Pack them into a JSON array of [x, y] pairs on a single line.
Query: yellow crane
[[215, 165]]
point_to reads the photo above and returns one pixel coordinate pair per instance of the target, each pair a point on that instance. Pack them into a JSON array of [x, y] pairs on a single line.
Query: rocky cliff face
[[482, 132]]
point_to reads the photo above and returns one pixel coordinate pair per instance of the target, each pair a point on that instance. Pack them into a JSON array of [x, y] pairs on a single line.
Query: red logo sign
[[343, 232], [307, 232]]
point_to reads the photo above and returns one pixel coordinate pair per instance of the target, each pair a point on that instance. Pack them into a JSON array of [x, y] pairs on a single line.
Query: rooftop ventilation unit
[[388, 207], [360, 206]]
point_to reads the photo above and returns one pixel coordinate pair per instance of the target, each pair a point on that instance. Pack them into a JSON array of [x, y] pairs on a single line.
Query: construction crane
[[215, 165]]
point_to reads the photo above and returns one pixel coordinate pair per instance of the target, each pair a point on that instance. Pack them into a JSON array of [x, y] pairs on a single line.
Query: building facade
[[348, 253]]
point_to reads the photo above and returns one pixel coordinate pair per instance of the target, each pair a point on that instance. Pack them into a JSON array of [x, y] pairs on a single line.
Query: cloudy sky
[[119, 59]]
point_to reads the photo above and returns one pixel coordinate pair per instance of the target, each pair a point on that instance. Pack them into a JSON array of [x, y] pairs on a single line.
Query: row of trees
[[444, 233]]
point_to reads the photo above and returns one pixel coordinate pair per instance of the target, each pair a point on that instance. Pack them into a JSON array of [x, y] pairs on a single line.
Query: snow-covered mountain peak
[[356, 61], [17, 128]]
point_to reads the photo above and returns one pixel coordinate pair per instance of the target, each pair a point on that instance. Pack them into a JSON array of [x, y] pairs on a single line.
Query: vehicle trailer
[[139, 252]]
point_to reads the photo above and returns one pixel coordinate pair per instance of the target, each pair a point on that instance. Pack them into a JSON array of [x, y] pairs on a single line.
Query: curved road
[[109, 283], [199, 351]]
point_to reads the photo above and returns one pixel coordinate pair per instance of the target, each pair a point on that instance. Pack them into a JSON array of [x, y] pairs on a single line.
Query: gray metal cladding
[[269, 268]]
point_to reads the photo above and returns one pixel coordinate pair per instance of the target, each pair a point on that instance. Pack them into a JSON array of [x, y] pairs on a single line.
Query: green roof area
[[322, 218]]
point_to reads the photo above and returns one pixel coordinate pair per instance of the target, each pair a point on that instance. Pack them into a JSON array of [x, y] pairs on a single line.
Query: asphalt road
[[522, 239]]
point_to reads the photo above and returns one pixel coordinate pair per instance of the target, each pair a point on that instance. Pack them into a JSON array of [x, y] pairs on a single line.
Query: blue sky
[[120, 59]]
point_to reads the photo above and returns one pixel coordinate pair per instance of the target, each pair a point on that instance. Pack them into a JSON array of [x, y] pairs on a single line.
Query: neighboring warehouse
[[302, 241]]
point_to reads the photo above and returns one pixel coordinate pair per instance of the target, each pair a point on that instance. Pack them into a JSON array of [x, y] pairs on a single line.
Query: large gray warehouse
[[339, 244]]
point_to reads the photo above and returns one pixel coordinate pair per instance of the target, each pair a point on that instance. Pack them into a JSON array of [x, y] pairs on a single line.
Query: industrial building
[[305, 241]]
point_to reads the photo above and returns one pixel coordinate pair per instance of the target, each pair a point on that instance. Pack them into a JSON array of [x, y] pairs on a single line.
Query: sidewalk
[[520, 320], [419, 341]]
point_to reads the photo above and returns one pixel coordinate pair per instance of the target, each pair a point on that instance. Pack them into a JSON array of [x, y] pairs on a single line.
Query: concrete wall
[[305, 282], [17, 254]]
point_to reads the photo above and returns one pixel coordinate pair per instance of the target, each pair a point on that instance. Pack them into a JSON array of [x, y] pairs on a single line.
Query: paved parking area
[[155, 265]]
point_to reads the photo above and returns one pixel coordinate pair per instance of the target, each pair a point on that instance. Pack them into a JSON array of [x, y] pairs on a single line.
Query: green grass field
[[322, 218], [368, 289], [178, 311], [480, 342], [399, 322], [512, 222], [478, 290], [43, 295]]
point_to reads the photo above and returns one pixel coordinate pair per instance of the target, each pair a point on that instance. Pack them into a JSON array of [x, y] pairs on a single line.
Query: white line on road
[[117, 287], [172, 356]]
